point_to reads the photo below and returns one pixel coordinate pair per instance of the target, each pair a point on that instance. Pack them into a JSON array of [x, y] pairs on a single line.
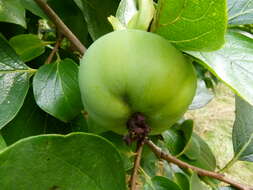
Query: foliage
[[44, 130]]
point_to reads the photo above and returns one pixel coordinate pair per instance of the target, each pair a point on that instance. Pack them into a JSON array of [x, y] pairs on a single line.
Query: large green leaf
[[243, 131], [192, 25], [13, 12], [30, 121], [96, 13], [161, 183], [14, 82], [233, 64], [56, 89], [240, 12], [77, 161], [27, 46]]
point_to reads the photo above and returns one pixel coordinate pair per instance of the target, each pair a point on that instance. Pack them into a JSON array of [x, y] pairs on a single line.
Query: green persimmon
[[130, 71]]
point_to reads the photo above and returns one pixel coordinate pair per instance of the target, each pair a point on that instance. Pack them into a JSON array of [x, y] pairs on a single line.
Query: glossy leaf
[[76, 161], [56, 89], [202, 97], [27, 46], [240, 12], [232, 64], [13, 12], [192, 25], [243, 131], [161, 183], [31, 121], [14, 82], [95, 13]]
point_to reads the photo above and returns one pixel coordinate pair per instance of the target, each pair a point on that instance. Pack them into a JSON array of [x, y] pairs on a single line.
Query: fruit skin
[[131, 71]]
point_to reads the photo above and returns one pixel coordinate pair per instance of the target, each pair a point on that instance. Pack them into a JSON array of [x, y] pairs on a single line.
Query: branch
[[61, 26], [57, 45], [160, 154], [136, 166]]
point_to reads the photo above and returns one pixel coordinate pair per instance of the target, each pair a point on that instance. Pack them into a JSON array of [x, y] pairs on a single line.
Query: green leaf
[[72, 16], [196, 183], [232, 64], [178, 138], [13, 12], [202, 97], [2, 142], [182, 180], [192, 25], [27, 46], [243, 131], [161, 183], [240, 12], [32, 6], [126, 152], [77, 161], [14, 82], [205, 159], [30, 121], [95, 13], [56, 89]]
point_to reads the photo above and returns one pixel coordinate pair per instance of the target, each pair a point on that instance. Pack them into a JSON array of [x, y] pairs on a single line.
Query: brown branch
[[56, 47], [61, 27], [134, 176], [160, 154]]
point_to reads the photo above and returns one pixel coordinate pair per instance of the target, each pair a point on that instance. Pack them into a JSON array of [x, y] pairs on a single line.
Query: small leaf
[[27, 46], [77, 161], [240, 12], [178, 138], [14, 82], [2, 142], [206, 159], [126, 10], [56, 89], [196, 184], [95, 13], [32, 6], [243, 131], [161, 183], [30, 121], [202, 97], [182, 180], [192, 25], [232, 64], [13, 12]]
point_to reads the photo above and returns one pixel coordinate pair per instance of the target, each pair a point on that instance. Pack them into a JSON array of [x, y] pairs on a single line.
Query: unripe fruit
[[131, 71]]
